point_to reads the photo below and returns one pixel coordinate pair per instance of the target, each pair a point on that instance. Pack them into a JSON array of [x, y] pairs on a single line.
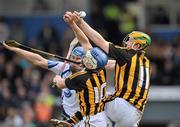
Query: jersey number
[[99, 94], [142, 77]]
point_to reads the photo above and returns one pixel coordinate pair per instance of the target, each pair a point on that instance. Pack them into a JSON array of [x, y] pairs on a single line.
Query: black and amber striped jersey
[[91, 88], [77, 117], [132, 75]]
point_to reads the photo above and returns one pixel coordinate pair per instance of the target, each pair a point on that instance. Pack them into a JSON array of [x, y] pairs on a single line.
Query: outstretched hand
[[71, 18], [68, 17], [76, 17]]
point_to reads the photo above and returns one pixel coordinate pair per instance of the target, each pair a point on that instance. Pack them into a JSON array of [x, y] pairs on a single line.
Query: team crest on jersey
[[67, 93]]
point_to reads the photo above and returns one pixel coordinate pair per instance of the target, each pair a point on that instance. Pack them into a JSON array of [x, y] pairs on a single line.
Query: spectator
[[4, 30], [48, 38], [160, 16], [111, 13], [17, 33], [40, 6], [43, 106], [13, 119], [28, 115], [2, 64]]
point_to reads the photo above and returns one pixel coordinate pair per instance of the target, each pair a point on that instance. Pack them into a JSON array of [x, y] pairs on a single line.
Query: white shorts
[[98, 120], [123, 113]]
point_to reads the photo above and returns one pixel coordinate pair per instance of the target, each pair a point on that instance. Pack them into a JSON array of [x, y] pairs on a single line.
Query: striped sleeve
[[75, 118], [73, 83]]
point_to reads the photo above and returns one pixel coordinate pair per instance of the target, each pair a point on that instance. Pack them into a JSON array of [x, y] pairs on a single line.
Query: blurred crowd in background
[[26, 98]]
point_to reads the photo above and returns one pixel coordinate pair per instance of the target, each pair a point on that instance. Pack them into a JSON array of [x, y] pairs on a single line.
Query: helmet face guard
[[137, 38], [89, 61], [95, 58], [126, 39]]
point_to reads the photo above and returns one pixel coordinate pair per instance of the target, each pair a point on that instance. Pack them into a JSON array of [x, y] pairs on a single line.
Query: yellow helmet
[[140, 38]]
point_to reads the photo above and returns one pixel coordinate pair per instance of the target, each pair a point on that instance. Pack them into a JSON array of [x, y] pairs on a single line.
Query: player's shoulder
[[52, 63], [79, 74], [67, 66]]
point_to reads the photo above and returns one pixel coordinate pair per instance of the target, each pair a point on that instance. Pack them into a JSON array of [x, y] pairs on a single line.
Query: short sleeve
[[73, 83], [59, 67]]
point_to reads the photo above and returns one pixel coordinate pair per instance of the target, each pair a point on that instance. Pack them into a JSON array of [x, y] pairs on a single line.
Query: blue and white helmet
[[95, 58], [78, 51]]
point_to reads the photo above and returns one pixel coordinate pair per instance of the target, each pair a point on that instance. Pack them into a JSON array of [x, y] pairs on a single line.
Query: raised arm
[[91, 33], [31, 57], [83, 40]]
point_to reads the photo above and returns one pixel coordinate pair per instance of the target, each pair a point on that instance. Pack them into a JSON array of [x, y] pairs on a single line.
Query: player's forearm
[[31, 57], [94, 35], [83, 40], [77, 117]]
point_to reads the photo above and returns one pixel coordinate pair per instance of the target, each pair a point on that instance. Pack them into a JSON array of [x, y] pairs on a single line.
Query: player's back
[[91, 87], [132, 79]]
